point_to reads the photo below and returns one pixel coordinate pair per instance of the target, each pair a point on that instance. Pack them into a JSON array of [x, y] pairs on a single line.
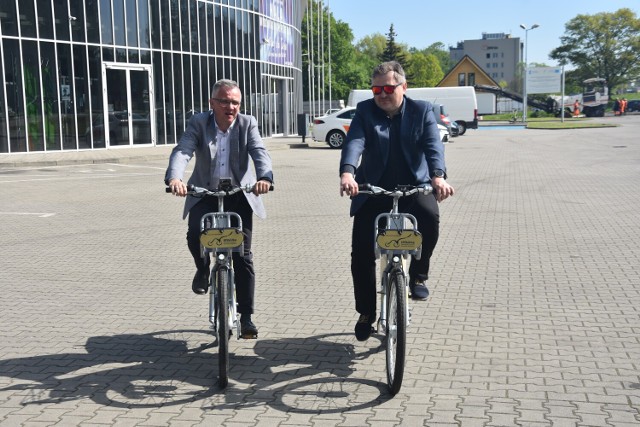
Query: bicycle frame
[[224, 235], [392, 259]]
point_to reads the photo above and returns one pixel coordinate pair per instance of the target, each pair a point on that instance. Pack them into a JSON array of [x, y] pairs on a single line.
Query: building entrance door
[[128, 117], [273, 106]]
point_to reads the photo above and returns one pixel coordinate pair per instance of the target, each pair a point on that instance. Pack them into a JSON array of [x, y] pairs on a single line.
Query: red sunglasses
[[388, 89]]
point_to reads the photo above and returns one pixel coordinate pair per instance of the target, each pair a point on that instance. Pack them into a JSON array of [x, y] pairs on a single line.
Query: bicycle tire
[[223, 326], [396, 330]]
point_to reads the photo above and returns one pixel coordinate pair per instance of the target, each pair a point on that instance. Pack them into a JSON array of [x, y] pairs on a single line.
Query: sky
[[420, 23]]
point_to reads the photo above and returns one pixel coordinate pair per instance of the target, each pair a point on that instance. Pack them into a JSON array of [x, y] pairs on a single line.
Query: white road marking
[[41, 215], [99, 171]]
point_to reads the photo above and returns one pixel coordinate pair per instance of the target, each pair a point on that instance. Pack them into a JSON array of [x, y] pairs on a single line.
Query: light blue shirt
[[222, 167]]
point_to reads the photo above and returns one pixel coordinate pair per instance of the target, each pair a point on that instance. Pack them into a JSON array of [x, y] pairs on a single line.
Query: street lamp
[[526, 65]]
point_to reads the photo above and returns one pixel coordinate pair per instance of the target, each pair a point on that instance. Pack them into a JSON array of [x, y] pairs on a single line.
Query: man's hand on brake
[[178, 188], [442, 188], [348, 185], [261, 187]]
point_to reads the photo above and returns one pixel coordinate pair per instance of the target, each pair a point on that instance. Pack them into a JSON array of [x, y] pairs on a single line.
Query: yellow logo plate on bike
[[221, 238], [399, 240]]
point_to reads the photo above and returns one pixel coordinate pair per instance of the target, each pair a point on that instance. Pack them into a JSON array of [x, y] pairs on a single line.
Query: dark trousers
[[245, 276], [363, 267]]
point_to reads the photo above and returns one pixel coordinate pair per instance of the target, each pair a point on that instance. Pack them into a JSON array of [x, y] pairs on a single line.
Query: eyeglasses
[[227, 102], [388, 89]]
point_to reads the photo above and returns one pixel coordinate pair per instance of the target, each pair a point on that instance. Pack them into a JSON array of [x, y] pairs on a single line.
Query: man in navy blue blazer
[[392, 140]]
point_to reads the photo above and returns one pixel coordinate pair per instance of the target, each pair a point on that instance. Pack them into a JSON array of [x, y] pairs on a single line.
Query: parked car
[[443, 119], [455, 128], [332, 128], [444, 133], [633, 105]]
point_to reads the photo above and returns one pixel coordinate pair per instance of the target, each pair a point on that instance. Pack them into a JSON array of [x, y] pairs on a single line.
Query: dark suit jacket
[[200, 139], [366, 148]]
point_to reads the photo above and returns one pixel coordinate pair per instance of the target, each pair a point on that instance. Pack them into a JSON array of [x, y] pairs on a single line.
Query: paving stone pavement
[[533, 320]]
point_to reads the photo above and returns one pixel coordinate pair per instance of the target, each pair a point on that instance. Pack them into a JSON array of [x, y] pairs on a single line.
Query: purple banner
[[276, 35]]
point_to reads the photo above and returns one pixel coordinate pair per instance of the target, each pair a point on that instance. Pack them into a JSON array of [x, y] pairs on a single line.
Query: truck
[[593, 99], [461, 102]]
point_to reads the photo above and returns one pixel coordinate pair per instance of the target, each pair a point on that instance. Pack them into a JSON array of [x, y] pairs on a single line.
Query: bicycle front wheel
[[396, 330], [223, 325]]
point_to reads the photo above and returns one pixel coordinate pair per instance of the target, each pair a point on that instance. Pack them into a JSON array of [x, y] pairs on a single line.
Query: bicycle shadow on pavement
[[152, 369], [305, 375], [159, 369]]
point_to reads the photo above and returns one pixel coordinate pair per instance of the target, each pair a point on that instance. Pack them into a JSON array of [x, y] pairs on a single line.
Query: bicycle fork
[[387, 268]]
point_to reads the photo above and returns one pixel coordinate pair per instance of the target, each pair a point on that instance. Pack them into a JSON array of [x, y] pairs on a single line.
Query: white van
[[486, 103], [460, 101]]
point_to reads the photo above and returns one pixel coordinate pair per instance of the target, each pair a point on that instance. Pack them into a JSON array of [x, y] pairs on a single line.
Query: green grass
[[551, 122], [568, 124]]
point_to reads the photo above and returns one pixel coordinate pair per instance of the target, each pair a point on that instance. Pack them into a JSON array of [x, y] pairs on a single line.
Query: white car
[[444, 133], [333, 128]]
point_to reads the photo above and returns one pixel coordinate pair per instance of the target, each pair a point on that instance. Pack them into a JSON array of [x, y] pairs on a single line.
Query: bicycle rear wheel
[[223, 326], [396, 330]]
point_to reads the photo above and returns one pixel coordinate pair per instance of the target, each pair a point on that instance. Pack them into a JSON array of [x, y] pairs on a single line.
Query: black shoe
[[200, 282], [364, 327], [248, 330], [419, 291]]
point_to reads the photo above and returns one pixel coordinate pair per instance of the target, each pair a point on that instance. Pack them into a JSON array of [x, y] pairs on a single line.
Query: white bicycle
[[396, 238]]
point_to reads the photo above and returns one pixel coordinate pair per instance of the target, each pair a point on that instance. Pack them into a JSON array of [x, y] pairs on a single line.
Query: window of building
[[27, 19], [105, 22], [76, 10], [31, 76], [9, 19], [93, 23], [45, 19], [144, 32], [472, 79], [461, 79]]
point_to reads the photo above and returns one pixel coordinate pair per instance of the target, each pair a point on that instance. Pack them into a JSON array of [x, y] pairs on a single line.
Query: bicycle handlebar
[[200, 191], [399, 191]]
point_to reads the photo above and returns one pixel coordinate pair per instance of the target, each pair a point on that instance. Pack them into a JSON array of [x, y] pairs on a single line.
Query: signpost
[[544, 80]]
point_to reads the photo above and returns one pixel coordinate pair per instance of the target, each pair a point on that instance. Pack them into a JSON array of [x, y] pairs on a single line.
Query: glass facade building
[[95, 74]]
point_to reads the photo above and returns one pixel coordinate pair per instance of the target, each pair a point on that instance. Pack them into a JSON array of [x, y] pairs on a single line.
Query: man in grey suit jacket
[[393, 140], [223, 142]]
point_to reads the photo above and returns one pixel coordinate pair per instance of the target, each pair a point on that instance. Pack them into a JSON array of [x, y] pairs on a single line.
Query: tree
[[438, 50], [392, 51], [425, 70], [605, 45], [371, 48]]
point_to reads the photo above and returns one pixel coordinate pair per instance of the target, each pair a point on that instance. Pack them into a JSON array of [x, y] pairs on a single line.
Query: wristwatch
[[439, 173]]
